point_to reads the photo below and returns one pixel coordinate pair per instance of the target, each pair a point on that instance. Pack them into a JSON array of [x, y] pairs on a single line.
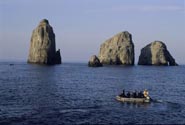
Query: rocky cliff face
[[118, 50], [94, 62], [156, 53], [42, 45]]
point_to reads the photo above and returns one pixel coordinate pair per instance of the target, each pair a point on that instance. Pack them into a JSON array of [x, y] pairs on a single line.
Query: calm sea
[[73, 93]]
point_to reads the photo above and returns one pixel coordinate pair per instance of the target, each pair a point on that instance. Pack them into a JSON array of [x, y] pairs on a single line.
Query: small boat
[[133, 100]]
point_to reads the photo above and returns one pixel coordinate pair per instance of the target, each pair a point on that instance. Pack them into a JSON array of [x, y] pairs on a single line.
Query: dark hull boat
[[133, 100]]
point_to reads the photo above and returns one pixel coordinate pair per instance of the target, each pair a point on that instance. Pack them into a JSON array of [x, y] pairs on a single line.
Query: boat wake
[[157, 101], [172, 105]]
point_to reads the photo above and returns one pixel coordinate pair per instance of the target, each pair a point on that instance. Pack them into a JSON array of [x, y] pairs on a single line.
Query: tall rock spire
[[42, 45]]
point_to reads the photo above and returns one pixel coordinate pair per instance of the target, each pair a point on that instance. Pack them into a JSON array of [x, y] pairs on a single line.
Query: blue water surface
[[73, 93]]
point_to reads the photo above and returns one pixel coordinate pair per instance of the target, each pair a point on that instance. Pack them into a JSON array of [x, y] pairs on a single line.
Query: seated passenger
[[128, 95], [146, 93], [135, 94], [140, 94], [123, 93]]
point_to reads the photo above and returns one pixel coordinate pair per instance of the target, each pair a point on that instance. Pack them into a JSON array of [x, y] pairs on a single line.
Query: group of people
[[135, 94]]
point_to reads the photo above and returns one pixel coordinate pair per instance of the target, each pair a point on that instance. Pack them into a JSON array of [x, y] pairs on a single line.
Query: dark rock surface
[[94, 62]]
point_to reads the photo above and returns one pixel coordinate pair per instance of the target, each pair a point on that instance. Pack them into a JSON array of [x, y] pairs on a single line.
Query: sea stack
[[42, 45], [118, 50], [94, 62], [156, 53]]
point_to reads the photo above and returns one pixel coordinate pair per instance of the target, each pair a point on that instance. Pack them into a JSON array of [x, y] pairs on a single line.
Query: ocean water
[[73, 93]]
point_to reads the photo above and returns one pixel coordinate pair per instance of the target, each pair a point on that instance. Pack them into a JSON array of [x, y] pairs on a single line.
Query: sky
[[81, 26]]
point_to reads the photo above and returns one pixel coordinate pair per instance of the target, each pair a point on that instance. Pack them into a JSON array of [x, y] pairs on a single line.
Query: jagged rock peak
[[44, 21], [156, 53], [118, 50]]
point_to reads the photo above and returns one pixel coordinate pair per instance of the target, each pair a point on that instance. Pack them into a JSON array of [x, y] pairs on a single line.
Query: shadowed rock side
[[94, 62], [42, 45], [156, 53], [118, 50], [58, 57]]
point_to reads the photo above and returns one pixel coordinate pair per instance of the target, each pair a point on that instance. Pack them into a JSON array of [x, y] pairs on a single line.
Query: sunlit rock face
[[42, 45], [118, 50], [156, 53]]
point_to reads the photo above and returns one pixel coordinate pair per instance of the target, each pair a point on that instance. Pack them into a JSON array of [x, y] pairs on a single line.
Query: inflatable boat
[[133, 100]]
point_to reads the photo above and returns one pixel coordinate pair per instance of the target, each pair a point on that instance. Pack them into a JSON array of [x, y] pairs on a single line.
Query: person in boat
[[132, 94], [146, 94], [123, 94], [128, 95], [135, 94], [140, 94]]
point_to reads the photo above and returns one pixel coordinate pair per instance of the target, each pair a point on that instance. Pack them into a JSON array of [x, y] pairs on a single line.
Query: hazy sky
[[81, 26]]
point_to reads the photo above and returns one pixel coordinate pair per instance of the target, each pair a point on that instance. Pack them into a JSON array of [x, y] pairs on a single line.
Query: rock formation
[[118, 50], [42, 45], [156, 53], [94, 62]]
